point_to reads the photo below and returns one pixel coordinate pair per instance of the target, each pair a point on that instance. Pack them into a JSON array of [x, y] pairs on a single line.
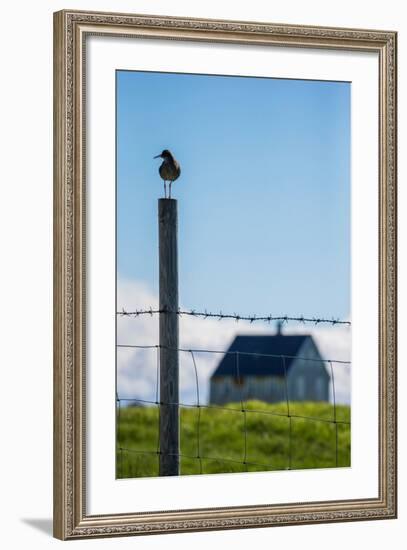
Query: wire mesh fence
[[239, 436]]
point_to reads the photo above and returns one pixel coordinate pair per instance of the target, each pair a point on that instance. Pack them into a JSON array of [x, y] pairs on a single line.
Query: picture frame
[[72, 383]]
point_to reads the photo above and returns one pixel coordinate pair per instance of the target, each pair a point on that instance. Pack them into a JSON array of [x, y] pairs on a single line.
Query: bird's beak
[[157, 156]]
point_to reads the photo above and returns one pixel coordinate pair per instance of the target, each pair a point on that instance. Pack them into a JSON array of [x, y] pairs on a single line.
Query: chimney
[[279, 328]]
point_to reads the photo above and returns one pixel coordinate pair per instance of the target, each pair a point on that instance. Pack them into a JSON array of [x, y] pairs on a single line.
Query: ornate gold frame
[[70, 31]]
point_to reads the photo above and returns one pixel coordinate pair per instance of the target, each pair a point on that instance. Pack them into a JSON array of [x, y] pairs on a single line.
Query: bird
[[169, 170]]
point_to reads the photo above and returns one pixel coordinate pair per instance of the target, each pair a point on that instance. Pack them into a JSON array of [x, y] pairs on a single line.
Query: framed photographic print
[[225, 274]]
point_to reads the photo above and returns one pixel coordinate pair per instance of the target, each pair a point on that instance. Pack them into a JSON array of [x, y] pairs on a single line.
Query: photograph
[[204, 197], [224, 274], [233, 274]]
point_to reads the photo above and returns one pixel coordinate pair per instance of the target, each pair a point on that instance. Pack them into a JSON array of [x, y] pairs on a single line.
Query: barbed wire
[[239, 408], [220, 316]]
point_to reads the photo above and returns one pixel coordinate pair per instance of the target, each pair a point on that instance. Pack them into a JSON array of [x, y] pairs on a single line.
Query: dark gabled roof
[[270, 348]]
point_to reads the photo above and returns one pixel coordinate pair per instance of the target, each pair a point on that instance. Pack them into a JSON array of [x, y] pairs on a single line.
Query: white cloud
[[137, 368]]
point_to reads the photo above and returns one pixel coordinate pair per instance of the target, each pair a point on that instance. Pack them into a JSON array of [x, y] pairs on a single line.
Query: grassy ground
[[270, 442]]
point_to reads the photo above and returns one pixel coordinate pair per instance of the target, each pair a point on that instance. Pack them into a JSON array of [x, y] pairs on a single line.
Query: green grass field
[[222, 440]]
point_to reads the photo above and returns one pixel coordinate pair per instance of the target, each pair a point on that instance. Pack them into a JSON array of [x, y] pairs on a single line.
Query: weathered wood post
[[169, 362]]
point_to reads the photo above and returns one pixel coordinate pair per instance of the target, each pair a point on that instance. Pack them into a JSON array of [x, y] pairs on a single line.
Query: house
[[268, 367]]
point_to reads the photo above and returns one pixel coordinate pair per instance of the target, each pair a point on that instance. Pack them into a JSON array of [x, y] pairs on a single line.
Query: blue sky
[[264, 194]]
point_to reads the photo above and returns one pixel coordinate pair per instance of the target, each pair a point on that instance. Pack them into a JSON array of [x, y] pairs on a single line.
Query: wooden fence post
[[169, 344]]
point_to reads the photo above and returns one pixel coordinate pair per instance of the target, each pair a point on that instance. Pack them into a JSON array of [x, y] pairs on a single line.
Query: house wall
[[226, 389], [308, 380]]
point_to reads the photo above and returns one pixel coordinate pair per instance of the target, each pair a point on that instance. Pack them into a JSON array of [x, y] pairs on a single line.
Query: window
[[238, 380], [319, 389], [300, 387]]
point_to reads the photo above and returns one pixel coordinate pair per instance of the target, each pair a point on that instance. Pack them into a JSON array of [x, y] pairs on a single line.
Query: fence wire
[[240, 408], [220, 316]]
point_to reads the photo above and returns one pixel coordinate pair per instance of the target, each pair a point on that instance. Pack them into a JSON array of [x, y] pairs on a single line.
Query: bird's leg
[[165, 189], [170, 189]]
